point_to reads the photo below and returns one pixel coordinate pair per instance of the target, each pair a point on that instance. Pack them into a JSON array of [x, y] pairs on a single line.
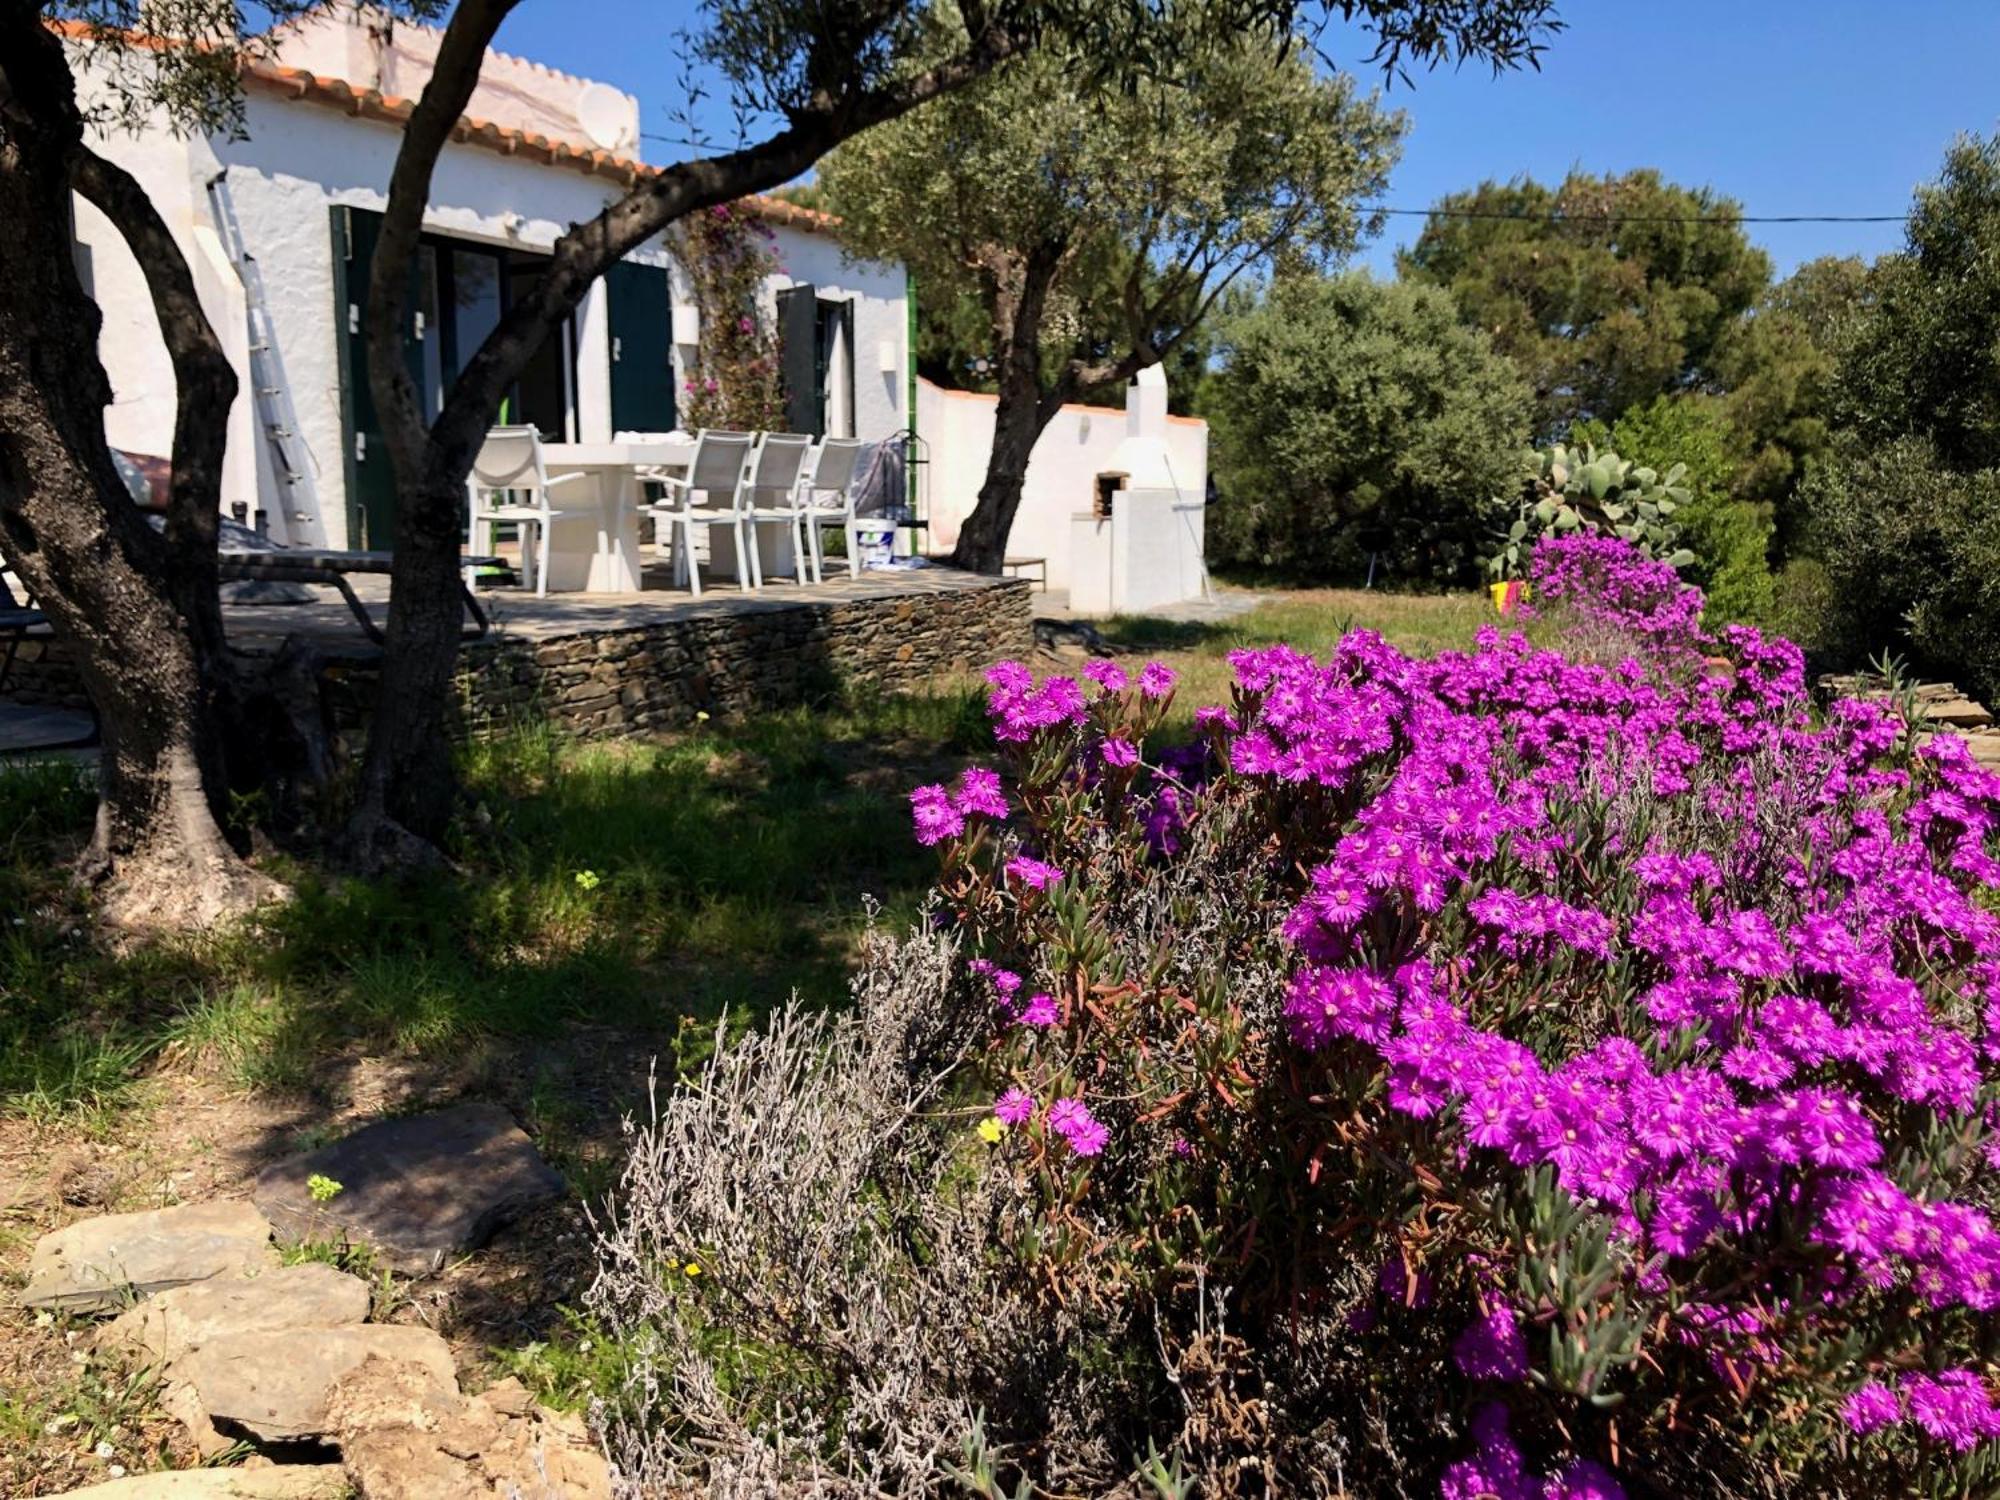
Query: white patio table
[[595, 548]]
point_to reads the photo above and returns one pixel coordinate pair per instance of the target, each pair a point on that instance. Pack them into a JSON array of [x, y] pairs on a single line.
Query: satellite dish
[[606, 117]]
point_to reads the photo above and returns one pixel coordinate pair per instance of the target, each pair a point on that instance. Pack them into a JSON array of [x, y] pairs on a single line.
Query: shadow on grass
[[650, 888]]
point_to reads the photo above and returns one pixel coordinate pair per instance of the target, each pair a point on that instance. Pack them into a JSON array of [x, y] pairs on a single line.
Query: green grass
[[649, 887], [719, 872], [1313, 620]]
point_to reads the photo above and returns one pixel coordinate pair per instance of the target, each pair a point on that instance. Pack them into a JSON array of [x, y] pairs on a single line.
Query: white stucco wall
[[881, 317], [1078, 445], [299, 160]]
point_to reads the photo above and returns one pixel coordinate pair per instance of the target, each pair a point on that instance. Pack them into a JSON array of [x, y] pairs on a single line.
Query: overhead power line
[[1570, 218]]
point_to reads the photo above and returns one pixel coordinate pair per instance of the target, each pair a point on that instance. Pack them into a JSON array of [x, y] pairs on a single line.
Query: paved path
[[1221, 604]]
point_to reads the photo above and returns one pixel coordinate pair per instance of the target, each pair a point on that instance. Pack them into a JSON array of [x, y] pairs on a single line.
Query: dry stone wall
[[728, 658]]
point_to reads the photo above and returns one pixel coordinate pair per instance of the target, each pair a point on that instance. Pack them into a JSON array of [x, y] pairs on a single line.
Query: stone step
[[276, 1386], [272, 1482], [103, 1264], [174, 1323], [419, 1189]]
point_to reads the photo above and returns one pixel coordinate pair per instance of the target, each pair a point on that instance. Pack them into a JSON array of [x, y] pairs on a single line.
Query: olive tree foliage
[[1608, 291], [1095, 229], [1351, 417]]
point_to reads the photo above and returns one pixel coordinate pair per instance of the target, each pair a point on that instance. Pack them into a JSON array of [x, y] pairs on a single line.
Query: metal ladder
[[291, 460]]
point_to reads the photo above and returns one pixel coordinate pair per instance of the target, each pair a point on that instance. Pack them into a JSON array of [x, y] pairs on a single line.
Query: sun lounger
[[331, 568]]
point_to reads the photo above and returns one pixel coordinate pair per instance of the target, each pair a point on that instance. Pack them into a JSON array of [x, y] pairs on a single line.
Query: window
[[459, 291]]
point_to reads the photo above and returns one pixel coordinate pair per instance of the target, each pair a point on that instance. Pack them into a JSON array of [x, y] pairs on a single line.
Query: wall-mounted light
[[687, 323], [887, 357]]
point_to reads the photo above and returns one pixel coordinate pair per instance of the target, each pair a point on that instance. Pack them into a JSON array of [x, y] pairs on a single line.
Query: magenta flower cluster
[[1719, 967]]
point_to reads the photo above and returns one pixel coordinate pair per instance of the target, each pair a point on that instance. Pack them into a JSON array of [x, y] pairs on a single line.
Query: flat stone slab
[[276, 1386], [100, 1264], [182, 1319], [1959, 713], [419, 1189], [278, 1482]]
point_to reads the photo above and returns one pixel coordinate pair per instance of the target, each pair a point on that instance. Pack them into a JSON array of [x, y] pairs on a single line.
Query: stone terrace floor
[[514, 612]]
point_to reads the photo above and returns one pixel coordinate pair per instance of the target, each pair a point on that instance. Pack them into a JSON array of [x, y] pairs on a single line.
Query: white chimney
[[1143, 452]]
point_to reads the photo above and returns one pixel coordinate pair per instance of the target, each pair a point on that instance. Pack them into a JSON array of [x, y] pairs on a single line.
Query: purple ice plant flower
[[1014, 1106], [935, 817], [1040, 1011], [978, 794], [1493, 1347], [1119, 752], [1107, 675], [1033, 873]]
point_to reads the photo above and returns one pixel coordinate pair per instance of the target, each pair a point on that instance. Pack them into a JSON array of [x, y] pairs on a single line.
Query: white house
[[278, 228]]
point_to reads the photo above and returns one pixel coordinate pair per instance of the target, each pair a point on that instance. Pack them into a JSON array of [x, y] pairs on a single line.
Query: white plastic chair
[[510, 464], [775, 496], [716, 470], [834, 474]]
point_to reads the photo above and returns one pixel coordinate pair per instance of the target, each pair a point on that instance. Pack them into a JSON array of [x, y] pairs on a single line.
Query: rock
[[276, 1386], [403, 1439], [286, 1482], [1959, 713], [179, 1321], [419, 1189], [98, 1264]]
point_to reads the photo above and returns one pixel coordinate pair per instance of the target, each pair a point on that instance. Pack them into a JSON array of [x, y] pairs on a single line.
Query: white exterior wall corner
[[1079, 443]]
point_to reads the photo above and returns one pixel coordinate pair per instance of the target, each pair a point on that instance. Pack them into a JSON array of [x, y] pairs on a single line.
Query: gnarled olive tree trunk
[[407, 785], [136, 609]]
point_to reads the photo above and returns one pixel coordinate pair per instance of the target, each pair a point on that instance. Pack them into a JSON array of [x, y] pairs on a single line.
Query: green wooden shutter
[[642, 348], [798, 331], [371, 482]]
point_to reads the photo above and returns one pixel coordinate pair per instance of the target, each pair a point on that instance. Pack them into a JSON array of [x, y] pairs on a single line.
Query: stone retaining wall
[[731, 658]]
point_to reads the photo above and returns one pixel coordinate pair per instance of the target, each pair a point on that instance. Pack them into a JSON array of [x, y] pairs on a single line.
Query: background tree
[[1094, 231], [1903, 511], [1776, 368], [1925, 357], [1597, 288], [1350, 416]]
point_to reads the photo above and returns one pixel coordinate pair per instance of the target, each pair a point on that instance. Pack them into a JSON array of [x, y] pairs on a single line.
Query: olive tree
[[137, 607], [1095, 228], [1352, 418]]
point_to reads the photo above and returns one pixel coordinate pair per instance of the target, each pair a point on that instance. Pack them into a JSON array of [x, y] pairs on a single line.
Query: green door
[[371, 482], [642, 348]]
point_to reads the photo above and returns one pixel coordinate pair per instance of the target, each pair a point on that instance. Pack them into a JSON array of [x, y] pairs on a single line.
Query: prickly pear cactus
[[1568, 489]]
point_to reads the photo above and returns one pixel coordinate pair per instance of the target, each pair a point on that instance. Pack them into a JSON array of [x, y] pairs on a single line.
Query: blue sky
[[1790, 106]]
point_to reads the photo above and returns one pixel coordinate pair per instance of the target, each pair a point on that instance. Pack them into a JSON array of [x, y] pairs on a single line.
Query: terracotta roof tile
[[369, 104]]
